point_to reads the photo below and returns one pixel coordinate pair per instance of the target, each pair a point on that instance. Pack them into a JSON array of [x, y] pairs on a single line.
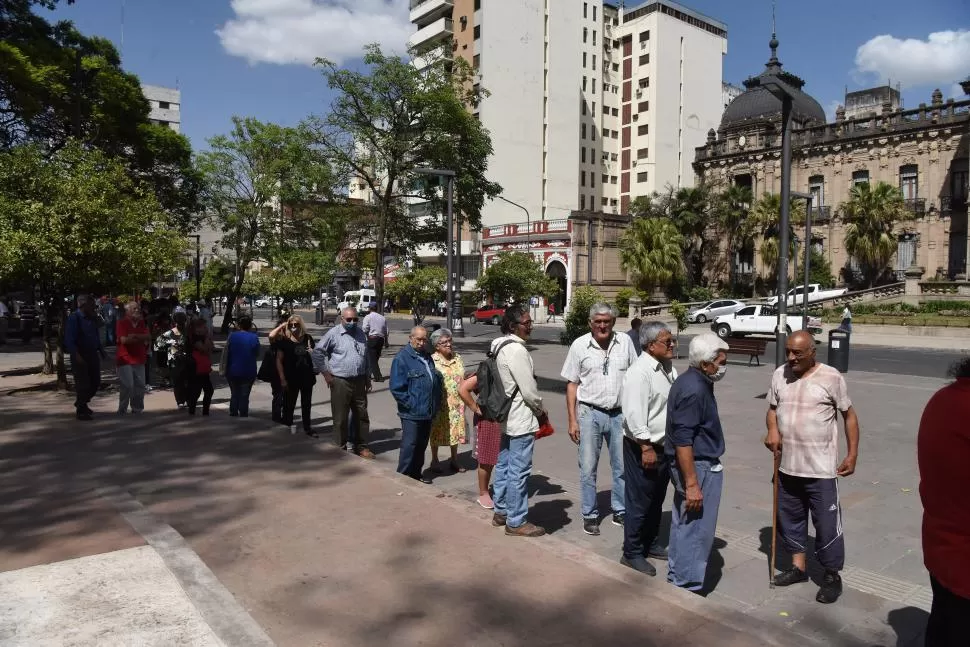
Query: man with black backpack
[[520, 417]]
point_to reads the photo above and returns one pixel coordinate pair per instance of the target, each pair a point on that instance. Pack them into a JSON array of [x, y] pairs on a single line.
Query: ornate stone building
[[923, 151]]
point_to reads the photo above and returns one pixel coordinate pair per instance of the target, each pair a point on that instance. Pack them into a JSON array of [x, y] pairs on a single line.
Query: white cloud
[[939, 60], [298, 31]]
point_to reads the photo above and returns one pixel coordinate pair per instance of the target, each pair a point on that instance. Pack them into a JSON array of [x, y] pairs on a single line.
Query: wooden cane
[[774, 523]]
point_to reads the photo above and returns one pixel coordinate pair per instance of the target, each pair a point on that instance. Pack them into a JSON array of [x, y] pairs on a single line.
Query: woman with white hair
[[693, 446], [448, 427]]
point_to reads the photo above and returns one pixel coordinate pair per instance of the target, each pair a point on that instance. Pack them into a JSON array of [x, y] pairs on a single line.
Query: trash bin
[[318, 316], [839, 349]]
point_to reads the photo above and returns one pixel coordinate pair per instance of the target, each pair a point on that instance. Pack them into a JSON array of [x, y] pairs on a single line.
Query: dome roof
[[757, 103]]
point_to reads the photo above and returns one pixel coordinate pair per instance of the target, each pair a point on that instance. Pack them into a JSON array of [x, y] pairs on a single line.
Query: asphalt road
[[873, 359]]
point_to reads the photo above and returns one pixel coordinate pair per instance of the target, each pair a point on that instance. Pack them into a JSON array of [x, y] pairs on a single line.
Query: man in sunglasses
[[341, 357], [594, 368]]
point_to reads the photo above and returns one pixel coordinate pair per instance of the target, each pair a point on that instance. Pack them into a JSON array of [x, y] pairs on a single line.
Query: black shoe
[[591, 526], [233, 415], [792, 576], [831, 588], [657, 551], [84, 415], [639, 564], [426, 480], [311, 433], [618, 518]]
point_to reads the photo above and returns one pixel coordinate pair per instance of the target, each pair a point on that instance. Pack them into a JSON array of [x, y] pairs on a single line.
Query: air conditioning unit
[[639, 92], [633, 163]]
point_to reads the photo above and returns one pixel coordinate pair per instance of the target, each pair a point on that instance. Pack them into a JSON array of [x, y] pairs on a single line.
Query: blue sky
[[250, 57]]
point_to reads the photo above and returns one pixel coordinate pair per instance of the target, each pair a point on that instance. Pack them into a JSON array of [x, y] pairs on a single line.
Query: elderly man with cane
[[804, 401]]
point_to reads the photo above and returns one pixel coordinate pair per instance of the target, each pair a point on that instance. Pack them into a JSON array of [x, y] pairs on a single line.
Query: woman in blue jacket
[[417, 388], [242, 353]]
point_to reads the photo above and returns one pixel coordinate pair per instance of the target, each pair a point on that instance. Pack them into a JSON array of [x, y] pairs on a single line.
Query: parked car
[[815, 293], [714, 309], [759, 320], [264, 302], [489, 314]]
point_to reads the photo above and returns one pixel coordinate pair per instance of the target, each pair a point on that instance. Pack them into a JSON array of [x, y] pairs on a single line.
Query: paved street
[[270, 516]]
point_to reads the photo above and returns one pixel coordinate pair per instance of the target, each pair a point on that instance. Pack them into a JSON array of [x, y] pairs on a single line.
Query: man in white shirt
[[594, 369], [645, 469], [519, 429], [375, 327]]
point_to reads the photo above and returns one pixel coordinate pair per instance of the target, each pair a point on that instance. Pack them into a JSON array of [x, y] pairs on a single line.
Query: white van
[[364, 300]]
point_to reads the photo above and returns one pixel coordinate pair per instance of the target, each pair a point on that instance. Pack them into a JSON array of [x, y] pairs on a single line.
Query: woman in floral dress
[[448, 428]]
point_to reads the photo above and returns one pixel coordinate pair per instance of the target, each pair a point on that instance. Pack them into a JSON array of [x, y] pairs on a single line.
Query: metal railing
[[916, 206]]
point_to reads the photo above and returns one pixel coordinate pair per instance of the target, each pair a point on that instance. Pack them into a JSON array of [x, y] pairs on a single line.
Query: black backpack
[[493, 402]]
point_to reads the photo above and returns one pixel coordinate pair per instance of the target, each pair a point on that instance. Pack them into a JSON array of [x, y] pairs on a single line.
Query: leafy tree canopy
[[76, 221], [514, 277], [56, 83], [577, 317], [420, 286], [651, 249], [870, 216], [391, 118]]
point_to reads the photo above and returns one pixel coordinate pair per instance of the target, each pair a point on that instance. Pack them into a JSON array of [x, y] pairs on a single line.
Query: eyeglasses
[[355, 319], [669, 343], [445, 343]]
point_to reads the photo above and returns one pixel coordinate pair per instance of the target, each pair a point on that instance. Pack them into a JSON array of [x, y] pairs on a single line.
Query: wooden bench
[[754, 348]]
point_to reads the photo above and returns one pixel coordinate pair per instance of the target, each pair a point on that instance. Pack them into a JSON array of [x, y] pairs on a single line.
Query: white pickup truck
[[759, 320], [815, 293]]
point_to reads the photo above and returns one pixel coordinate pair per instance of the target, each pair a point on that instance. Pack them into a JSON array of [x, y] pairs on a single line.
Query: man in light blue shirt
[[341, 357]]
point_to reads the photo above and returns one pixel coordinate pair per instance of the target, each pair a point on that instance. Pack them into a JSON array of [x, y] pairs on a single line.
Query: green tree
[[577, 315], [57, 84], [75, 221], [870, 215], [253, 178], [733, 207], [301, 272], [820, 270], [392, 118], [217, 279], [651, 249], [765, 221], [514, 277], [419, 286]]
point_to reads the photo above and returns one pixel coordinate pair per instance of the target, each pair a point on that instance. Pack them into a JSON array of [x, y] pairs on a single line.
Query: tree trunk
[[231, 305]]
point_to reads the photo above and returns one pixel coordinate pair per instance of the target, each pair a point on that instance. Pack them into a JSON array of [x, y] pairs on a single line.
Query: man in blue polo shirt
[[693, 446]]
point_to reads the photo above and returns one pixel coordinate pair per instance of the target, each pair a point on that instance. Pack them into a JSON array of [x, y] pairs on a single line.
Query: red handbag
[[545, 428]]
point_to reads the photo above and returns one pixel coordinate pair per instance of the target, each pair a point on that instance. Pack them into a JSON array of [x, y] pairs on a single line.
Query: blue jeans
[[511, 485], [692, 533], [594, 427], [415, 435], [239, 390]]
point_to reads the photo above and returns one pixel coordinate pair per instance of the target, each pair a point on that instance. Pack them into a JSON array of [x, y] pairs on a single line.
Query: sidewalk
[[317, 546]]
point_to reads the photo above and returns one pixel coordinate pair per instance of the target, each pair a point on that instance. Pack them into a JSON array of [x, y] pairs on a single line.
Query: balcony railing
[[952, 203], [916, 206], [821, 213]]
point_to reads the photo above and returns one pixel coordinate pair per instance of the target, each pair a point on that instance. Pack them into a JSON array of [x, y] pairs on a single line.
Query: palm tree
[[869, 215], [765, 221], [651, 250], [689, 211], [734, 205]]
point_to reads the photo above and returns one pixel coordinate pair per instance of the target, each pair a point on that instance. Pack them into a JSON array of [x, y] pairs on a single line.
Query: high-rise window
[[582, 130], [583, 102], [582, 154], [593, 85], [585, 9], [582, 178], [594, 12], [584, 59], [584, 84], [592, 111], [478, 4], [860, 177], [594, 61], [594, 37], [585, 34], [582, 202], [592, 181], [816, 186], [478, 32]]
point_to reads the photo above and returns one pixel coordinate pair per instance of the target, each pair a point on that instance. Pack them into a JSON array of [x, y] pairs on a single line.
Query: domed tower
[[754, 117]]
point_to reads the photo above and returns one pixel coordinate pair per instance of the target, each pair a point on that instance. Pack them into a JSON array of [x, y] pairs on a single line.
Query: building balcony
[[949, 204], [436, 31], [916, 206], [821, 214], [425, 11], [537, 229]]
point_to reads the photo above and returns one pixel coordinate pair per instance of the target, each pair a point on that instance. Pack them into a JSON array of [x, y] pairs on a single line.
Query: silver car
[[713, 309]]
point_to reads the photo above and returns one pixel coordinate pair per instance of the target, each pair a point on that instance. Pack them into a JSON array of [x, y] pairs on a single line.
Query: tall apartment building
[[589, 106], [166, 105]]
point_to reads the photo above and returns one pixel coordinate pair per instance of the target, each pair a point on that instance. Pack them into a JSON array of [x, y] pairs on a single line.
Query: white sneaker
[[292, 430]]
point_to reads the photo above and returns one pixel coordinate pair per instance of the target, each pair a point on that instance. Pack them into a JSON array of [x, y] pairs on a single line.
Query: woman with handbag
[[239, 366], [172, 344], [198, 366], [297, 376]]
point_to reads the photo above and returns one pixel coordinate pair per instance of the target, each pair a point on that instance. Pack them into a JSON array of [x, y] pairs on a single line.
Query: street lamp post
[[528, 232], [779, 88], [965, 85], [454, 323], [198, 266], [807, 197]]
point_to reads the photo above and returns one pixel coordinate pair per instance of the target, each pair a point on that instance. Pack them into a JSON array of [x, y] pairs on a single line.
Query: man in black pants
[[646, 386], [375, 327], [82, 340]]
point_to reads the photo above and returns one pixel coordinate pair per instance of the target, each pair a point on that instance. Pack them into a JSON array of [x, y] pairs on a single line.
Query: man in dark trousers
[[82, 341], [375, 327], [416, 386]]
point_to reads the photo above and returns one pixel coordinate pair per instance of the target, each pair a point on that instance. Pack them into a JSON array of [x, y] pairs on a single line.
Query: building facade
[[166, 106], [923, 151], [574, 108]]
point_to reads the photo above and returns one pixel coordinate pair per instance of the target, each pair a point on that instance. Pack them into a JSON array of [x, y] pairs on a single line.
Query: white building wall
[[166, 105], [511, 67], [564, 105]]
